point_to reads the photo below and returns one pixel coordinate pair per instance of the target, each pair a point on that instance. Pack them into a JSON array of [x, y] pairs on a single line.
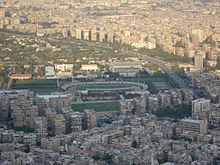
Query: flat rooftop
[[126, 63], [50, 96]]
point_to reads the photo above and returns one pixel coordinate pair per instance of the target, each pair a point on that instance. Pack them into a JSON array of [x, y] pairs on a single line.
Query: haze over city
[[109, 82]]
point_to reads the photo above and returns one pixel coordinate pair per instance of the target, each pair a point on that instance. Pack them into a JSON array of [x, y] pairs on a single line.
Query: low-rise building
[[21, 76], [130, 68], [200, 126], [89, 67], [49, 71]]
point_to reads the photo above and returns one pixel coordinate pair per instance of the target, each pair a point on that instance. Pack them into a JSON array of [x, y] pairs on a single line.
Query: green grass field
[[148, 81], [38, 86], [35, 82], [144, 79], [98, 107], [101, 86]]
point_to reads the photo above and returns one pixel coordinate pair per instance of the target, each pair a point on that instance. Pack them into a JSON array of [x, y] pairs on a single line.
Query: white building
[[64, 70], [64, 67], [49, 71], [200, 105], [198, 62], [89, 67], [139, 44], [126, 68], [151, 45], [199, 33]]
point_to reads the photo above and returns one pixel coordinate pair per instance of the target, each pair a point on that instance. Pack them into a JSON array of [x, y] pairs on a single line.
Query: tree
[[108, 158], [20, 68], [27, 148], [160, 53], [25, 129], [134, 144], [178, 70], [218, 64], [188, 69], [96, 156], [41, 71], [112, 75], [177, 112], [38, 144]]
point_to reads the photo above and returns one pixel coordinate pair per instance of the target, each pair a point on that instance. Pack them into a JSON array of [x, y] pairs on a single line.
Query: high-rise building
[[50, 115], [195, 39], [103, 36], [59, 103], [40, 127], [56, 102], [152, 102], [87, 34], [79, 34], [2, 13], [30, 140], [59, 125], [90, 119], [93, 35], [198, 62], [140, 104], [76, 122], [176, 97], [199, 33], [24, 116], [187, 95], [4, 109], [165, 99], [199, 106]]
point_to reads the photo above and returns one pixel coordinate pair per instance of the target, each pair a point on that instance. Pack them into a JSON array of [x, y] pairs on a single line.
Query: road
[[163, 65], [9, 84]]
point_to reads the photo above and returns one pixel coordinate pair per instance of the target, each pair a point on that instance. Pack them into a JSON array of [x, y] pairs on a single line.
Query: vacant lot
[[98, 107]]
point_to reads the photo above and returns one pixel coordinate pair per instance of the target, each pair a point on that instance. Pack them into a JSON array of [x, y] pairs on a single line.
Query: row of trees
[[169, 57], [176, 112], [3, 76]]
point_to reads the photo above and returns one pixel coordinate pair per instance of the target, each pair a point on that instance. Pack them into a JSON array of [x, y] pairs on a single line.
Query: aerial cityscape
[[110, 82]]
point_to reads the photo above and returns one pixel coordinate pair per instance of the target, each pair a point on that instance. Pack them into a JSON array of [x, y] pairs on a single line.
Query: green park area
[[169, 57], [98, 107], [38, 86], [177, 112]]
